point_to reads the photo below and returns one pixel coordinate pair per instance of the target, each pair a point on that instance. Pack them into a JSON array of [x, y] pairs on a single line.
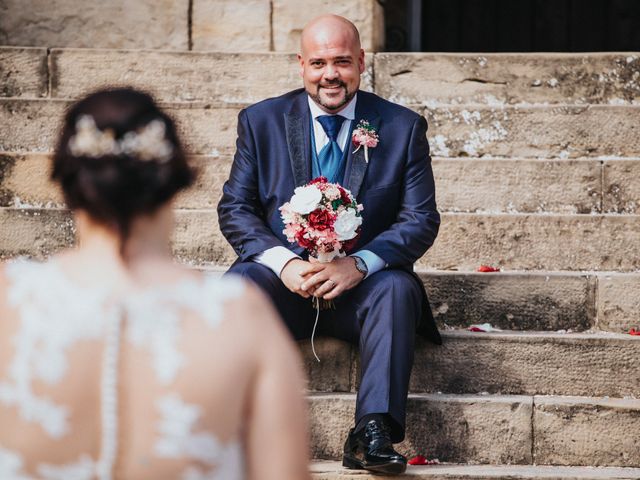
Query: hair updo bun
[[119, 157]]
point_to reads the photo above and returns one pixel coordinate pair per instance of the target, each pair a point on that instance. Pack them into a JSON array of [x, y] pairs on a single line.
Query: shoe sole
[[391, 468]]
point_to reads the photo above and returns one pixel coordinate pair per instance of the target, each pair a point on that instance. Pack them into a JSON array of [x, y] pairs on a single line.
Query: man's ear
[[301, 62], [361, 61]]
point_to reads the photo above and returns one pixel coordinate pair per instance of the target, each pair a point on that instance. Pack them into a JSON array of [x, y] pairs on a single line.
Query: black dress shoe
[[371, 449]]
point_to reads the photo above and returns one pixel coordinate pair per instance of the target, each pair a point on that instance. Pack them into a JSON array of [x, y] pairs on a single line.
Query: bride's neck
[[148, 239]]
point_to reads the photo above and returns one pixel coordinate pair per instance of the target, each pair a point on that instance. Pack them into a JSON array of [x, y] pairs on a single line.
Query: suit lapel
[[297, 128], [356, 162]]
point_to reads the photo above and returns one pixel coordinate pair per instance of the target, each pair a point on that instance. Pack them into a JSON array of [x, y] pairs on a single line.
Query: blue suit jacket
[[396, 186]]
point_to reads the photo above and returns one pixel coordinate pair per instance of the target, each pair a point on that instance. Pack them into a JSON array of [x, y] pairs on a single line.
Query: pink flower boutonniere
[[365, 136]]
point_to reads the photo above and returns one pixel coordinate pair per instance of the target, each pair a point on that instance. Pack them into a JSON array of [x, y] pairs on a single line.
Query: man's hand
[[328, 280], [292, 276]]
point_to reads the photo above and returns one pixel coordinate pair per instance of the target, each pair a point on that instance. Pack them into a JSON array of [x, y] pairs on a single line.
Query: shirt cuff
[[275, 258], [373, 262]]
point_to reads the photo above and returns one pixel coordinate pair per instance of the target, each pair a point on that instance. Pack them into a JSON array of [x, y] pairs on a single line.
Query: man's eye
[[316, 64]]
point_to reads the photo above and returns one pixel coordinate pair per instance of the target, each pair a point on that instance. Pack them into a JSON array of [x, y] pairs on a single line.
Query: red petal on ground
[[476, 329], [633, 331], [418, 460], [488, 269]]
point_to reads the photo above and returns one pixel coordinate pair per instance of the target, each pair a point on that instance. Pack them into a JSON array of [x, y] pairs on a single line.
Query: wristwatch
[[360, 265]]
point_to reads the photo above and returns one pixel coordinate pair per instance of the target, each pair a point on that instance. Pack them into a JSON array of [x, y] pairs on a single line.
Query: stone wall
[[213, 25]]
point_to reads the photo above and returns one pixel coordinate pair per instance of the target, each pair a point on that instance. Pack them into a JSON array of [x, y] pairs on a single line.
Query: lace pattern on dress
[[54, 312]]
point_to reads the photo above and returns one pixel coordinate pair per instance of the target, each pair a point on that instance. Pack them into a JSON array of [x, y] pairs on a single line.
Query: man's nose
[[330, 72]]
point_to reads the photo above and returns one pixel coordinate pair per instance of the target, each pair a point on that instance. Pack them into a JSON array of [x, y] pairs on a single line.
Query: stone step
[[519, 363], [496, 79], [466, 241], [497, 430], [564, 302], [557, 132], [408, 78], [463, 185], [328, 470]]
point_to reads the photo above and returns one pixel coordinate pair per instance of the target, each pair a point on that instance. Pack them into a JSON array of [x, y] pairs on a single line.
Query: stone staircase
[[537, 164]]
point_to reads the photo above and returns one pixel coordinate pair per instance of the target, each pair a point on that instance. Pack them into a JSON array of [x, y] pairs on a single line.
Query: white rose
[[347, 224], [305, 199]]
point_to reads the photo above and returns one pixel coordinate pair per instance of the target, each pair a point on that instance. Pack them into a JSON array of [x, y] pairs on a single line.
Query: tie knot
[[331, 125]]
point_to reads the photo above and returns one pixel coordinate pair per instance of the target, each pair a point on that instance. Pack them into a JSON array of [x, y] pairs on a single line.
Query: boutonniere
[[364, 135]]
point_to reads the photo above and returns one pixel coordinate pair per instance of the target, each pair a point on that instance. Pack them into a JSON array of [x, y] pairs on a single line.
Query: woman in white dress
[[115, 362]]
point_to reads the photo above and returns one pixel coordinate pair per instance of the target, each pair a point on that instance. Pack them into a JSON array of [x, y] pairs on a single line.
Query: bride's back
[[188, 357]]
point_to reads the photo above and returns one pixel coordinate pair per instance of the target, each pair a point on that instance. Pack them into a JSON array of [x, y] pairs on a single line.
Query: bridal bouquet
[[323, 218]]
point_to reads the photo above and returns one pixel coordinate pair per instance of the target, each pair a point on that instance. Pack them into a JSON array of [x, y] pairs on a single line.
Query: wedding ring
[[333, 284]]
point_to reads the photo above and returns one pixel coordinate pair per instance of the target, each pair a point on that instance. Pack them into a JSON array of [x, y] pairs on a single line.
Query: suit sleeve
[[240, 213], [418, 220]]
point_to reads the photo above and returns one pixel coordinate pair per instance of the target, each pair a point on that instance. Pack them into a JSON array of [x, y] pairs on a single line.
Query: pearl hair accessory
[[147, 144]]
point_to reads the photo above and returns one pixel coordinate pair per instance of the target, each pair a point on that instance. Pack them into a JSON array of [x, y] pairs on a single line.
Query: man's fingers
[[313, 268], [313, 281], [325, 288], [334, 293]]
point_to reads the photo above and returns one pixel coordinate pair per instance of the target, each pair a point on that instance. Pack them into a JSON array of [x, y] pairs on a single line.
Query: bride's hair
[[119, 157]]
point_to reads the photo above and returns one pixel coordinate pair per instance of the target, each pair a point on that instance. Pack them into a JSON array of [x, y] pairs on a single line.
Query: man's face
[[330, 66]]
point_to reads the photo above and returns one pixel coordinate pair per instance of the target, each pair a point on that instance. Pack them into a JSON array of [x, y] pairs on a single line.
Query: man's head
[[331, 61]]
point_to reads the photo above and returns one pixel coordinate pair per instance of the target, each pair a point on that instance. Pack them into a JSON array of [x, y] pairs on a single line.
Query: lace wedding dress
[[135, 386]]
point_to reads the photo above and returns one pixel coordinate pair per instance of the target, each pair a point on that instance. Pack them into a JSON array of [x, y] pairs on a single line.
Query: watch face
[[361, 266]]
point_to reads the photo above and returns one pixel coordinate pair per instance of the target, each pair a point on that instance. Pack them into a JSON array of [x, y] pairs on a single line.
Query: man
[[283, 143]]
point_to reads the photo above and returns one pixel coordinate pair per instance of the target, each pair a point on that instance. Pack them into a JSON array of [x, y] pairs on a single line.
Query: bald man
[[286, 141]]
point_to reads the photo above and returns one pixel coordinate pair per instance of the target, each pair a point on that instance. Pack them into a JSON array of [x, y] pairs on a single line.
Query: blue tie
[[330, 157]]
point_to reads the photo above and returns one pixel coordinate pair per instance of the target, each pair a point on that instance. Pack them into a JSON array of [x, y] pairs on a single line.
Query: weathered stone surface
[[24, 181], [621, 186], [333, 470], [23, 72], [29, 125], [536, 242], [34, 233], [581, 431], [525, 186], [513, 301], [470, 429], [32, 125], [529, 363], [197, 239], [618, 302], [330, 374], [111, 24], [534, 132], [206, 192], [231, 26], [497, 79], [186, 76], [206, 130], [535, 363], [289, 19]]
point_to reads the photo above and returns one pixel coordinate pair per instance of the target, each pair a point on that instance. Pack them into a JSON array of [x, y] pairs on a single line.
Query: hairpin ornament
[[147, 144]]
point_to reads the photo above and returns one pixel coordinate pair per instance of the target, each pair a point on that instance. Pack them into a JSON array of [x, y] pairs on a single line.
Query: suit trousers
[[379, 315]]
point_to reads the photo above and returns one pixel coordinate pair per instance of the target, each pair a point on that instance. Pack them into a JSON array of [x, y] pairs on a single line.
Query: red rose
[[318, 180], [304, 242], [320, 219], [344, 196]]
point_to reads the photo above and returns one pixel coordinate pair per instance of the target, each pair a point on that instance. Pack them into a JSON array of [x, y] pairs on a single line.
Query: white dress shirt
[[277, 257]]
